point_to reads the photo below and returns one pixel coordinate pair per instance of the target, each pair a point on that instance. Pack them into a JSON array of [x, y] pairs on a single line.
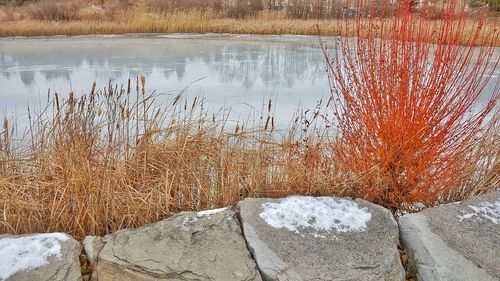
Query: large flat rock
[[456, 242], [321, 238], [204, 246], [40, 257]]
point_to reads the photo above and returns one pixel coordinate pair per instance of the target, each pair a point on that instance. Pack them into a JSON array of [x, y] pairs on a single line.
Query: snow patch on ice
[[318, 213], [210, 212], [28, 253], [484, 210]]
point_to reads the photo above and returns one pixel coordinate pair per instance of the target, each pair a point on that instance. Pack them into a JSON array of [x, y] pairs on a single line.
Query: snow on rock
[[27, 253], [365, 248], [484, 210], [319, 213], [210, 212]]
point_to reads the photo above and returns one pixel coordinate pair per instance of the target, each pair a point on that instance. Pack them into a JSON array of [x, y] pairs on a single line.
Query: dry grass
[[116, 159], [104, 162], [193, 21], [139, 20]]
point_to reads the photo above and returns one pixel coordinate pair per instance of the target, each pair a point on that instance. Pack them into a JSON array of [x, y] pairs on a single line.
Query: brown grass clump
[[115, 159]]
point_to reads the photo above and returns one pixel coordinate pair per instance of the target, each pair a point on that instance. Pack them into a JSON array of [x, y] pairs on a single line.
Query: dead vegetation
[[79, 17], [115, 159]]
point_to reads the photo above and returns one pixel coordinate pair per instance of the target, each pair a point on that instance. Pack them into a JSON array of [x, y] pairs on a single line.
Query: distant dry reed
[[120, 21]]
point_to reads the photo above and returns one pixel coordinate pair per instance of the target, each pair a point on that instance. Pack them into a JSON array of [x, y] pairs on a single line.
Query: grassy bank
[[25, 22], [194, 21]]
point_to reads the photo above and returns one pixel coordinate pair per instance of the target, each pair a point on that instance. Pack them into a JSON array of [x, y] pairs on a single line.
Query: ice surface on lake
[[27, 253], [322, 213]]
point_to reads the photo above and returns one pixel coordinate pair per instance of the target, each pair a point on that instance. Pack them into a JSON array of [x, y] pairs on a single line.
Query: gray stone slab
[[189, 246], [40, 257], [457, 242], [321, 238]]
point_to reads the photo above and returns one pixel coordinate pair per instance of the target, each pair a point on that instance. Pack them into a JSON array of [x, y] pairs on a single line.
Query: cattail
[[6, 132], [176, 99], [143, 84], [92, 91], [194, 103], [267, 123], [57, 102], [6, 125], [71, 102], [122, 111]]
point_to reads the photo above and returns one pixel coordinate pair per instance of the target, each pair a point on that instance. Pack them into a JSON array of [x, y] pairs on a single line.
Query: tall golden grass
[[193, 21], [178, 21], [117, 158]]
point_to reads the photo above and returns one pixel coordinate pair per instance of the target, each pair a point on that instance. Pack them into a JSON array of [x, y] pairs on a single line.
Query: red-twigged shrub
[[409, 111]]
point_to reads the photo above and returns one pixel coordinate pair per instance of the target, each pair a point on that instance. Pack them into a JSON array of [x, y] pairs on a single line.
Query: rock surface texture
[[321, 238], [40, 257], [459, 242], [189, 246]]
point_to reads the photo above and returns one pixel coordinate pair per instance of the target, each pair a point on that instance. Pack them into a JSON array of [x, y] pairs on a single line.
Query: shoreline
[[164, 25], [189, 36], [275, 38]]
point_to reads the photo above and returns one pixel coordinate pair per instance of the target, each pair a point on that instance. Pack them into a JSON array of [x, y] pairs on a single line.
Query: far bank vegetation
[[77, 17]]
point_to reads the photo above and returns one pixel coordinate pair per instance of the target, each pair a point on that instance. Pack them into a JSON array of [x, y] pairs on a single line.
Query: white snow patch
[[319, 213], [27, 253], [484, 210], [210, 212], [187, 221], [319, 236], [466, 216]]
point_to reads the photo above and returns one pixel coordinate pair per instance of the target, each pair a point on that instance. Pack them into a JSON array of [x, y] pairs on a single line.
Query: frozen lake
[[236, 71], [231, 70]]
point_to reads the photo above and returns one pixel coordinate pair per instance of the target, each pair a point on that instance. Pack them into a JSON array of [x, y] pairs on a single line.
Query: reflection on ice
[[237, 70]]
